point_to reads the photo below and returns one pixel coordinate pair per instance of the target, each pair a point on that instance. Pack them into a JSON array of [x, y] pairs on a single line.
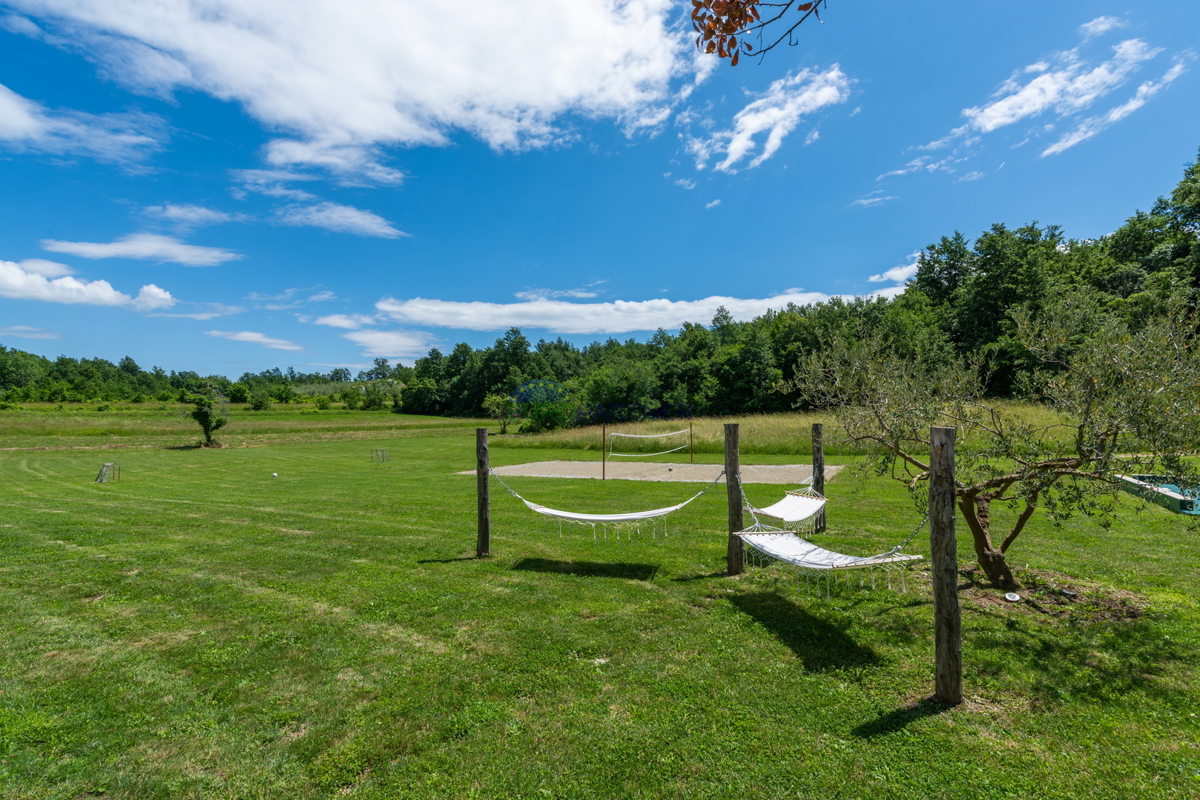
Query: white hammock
[[794, 507], [791, 549], [632, 516], [614, 519]]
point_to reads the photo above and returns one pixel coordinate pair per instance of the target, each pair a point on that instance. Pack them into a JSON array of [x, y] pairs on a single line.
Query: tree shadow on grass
[[589, 569], [821, 645], [900, 718]]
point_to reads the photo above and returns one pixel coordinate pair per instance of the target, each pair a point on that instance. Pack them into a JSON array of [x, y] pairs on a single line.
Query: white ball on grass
[[274, 474]]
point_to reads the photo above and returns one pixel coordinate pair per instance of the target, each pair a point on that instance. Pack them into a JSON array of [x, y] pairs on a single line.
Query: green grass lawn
[[203, 630]]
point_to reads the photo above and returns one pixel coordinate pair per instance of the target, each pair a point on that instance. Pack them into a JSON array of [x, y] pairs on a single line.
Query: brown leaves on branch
[[724, 27]]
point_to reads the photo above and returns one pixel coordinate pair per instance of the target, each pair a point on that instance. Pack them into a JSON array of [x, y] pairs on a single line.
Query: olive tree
[[1106, 400]]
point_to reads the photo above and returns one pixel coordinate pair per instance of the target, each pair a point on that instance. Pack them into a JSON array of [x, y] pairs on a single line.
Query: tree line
[[961, 302]]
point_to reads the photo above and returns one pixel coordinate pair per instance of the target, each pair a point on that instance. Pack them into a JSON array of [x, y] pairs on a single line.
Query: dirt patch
[[790, 474], [1051, 594]]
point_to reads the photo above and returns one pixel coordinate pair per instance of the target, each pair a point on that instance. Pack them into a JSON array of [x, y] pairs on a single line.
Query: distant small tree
[[210, 418], [500, 407], [260, 399]]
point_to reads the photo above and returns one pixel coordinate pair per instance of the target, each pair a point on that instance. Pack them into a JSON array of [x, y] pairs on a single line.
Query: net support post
[[483, 540], [818, 474], [603, 450], [943, 547], [735, 555]]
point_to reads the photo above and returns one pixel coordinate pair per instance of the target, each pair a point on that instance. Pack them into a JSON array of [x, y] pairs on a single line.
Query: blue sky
[[224, 186]]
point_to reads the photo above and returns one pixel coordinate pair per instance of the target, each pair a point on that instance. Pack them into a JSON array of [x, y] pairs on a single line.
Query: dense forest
[[958, 303]]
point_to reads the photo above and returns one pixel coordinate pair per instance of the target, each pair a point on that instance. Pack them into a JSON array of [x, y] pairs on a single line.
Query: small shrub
[[105, 407], [321, 402], [260, 401], [7, 406], [239, 393], [138, 398], [351, 397]]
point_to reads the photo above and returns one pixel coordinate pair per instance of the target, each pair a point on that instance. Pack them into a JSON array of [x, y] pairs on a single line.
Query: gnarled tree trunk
[[976, 509]]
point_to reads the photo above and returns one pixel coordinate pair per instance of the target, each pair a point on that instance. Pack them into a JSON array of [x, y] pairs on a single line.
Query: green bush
[[352, 397], [322, 402], [239, 393], [260, 400]]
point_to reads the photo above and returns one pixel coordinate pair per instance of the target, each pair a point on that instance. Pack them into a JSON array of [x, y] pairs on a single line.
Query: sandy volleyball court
[[644, 471]]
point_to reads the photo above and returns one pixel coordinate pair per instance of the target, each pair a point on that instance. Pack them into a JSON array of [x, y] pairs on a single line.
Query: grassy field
[[204, 630], [156, 425], [761, 434]]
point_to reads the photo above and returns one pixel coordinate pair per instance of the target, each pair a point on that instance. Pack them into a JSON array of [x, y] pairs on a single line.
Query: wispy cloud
[[348, 321], [321, 297], [583, 292], [253, 337], [775, 113], [338, 218], [686, 183], [123, 138], [49, 269], [206, 311], [874, 198], [713, 203], [26, 332], [187, 216], [1100, 26], [973, 175], [392, 344], [146, 247]]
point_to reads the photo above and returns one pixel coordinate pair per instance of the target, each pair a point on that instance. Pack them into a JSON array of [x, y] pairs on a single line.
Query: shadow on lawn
[[897, 720], [589, 569], [820, 644]]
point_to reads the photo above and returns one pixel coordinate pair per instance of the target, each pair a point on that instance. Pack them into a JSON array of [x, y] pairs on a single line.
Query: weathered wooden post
[[734, 555], [947, 617], [483, 541], [818, 464]]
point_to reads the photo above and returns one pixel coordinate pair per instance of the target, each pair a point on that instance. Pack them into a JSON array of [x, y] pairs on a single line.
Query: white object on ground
[[274, 474], [1012, 597]]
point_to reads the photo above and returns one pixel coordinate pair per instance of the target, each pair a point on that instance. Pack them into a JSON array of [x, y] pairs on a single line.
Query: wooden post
[[818, 464], [603, 451], [734, 554], [483, 542], [947, 617]]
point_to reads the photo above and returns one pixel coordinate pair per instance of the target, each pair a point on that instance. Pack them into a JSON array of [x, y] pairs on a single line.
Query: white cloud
[[26, 125], [1065, 87], [973, 175], [713, 204], [776, 112], [1061, 85], [152, 298], [186, 215], [1100, 26], [349, 321], [900, 273], [559, 316], [321, 297], [146, 246], [49, 269], [875, 198], [19, 284], [392, 344], [345, 78], [686, 183], [1091, 126], [813, 135], [26, 332], [338, 218], [211, 311], [255, 338]]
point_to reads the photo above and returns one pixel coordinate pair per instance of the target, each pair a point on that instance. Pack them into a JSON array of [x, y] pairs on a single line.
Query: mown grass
[[170, 425], [203, 630]]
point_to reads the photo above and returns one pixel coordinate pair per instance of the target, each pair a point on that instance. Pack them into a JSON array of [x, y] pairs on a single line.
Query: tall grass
[[761, 434]]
